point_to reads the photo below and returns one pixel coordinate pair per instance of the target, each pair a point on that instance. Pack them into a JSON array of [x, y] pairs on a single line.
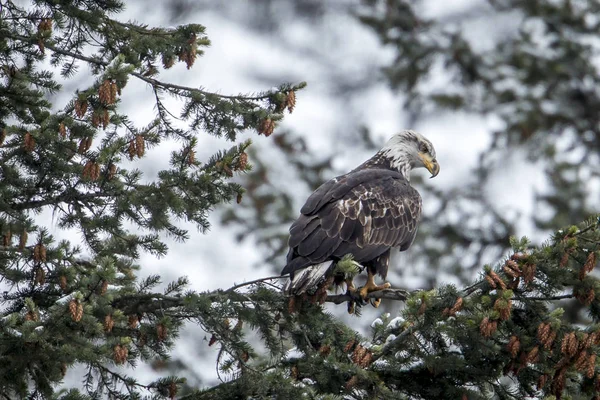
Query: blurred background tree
[[529, 67]]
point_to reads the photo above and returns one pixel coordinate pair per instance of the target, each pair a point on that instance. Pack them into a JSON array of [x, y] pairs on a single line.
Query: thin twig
[[548, 298], [261, 280]]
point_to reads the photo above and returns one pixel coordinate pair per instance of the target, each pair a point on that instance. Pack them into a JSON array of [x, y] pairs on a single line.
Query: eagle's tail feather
[[307, 279]]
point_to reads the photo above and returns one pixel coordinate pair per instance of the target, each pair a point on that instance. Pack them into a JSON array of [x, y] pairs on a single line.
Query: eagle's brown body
[[364, 213]]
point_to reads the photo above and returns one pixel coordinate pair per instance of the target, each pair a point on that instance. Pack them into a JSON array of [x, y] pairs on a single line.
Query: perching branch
[[389, 294]]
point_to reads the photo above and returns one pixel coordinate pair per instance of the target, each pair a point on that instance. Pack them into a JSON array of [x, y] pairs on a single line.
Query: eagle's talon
[[369, 287], [351, 309], [375, 302], [353, 293]]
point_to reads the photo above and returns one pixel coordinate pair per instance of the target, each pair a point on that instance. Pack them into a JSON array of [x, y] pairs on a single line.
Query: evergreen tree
[[68, 303], [65, 305]]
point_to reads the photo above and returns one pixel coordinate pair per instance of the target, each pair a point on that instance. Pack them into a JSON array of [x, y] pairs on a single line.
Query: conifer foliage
[[67, 305], [63, 303]]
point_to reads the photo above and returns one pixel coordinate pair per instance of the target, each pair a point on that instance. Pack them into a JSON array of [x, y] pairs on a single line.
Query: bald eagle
[[365, 213]]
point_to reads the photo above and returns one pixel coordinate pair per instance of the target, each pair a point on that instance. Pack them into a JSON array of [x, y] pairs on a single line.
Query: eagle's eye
[[423, 148]]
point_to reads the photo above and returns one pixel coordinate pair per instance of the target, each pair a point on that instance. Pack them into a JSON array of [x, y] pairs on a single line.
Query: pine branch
[[154, 82], [389, 294]]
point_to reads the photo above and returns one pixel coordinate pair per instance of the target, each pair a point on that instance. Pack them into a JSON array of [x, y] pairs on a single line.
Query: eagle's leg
[[351, 290], [371, 286]]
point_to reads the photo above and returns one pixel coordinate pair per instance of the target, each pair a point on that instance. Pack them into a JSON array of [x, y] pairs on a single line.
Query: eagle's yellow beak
[[431, 164]]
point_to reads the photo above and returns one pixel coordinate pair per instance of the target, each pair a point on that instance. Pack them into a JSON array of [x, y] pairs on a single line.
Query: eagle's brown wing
[[363, 213]]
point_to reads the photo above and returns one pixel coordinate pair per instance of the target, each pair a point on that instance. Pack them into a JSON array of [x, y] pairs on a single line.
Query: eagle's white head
[[409, 149]]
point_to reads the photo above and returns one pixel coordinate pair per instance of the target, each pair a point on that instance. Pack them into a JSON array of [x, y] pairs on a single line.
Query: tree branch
[[390, 294], [151, 81]]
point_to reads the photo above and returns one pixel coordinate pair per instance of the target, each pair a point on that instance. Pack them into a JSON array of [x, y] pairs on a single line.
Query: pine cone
[[358, 354], [168, 61], [172, 390], [513, 346], [103, 287], [45, 25], [37, 253], [31, 316], [490, 281], [581, 362], [112, 170], [591, 367], [503, 307], [487, 327], [80, 107], [422, 307], [7, 238], [81, 147], [132, 150], [242, 161], [529, 272], [456, 307], [543, 331], [161, 332], [76, 310], [191, 156], [238, 326], [351, 383], [105, 118], [62, 281], [294, 372], [96, 118], [266, 127], [87, 170], [23, 240], [109, 323], [95, 172], [120, 354], [40, 276], [140, 146], [563, 262], [28, 142], [550, 341], [62, 130], [590, 262], [558, 382], [569, 344], [290, 101], [542, 381], [498, 280], [532, 356], [104, 93], [88, 143], [324, 350], [132, 321], [349, 346]]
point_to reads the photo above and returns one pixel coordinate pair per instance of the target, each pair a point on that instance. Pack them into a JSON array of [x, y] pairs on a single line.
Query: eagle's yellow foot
[[369, 287], [351, 290]]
